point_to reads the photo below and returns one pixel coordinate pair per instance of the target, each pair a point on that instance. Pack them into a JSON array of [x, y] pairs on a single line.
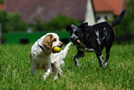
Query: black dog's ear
[[69, 27], [83, 25]]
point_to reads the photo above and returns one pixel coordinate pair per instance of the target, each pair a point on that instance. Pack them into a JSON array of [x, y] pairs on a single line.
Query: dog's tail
[[65, 51], [118, 19]]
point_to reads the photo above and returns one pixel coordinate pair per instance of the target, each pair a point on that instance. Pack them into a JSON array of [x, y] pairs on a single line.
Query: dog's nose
[[61, 43], [72, 38]]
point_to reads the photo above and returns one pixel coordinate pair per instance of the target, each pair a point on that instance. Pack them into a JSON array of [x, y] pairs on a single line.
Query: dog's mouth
[[59, 49], [60, 46], [76, 41]]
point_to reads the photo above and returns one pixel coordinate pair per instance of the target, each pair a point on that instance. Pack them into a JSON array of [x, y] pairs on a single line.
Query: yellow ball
[[56, 49]]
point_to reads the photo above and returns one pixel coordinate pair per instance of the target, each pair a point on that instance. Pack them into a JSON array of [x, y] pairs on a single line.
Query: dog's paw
[[44, 77], [61, 74], [105, 64], [55, 78], [70, 43], [77, 65]]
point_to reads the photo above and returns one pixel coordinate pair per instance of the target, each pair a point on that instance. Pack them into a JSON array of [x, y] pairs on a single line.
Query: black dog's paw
[[105, 64], [77, 65]]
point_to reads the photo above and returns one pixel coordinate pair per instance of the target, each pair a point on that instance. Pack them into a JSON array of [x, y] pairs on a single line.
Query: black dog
[[93, 39]]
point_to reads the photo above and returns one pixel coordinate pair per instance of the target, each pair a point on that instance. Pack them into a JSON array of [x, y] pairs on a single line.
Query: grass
[[119, 74]]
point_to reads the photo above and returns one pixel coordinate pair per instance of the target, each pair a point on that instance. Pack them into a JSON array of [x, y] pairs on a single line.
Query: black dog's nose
[[72, 38]]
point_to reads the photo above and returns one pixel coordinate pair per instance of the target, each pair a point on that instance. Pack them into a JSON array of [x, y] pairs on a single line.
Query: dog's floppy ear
[[69, 27], [83, 25], [48, 41]]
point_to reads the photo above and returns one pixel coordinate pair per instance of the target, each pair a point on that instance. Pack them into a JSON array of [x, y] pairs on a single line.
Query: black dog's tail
[[118, 19]]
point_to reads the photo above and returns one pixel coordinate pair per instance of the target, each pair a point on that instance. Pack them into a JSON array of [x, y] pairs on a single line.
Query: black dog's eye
[[71, 32], [76, 32]]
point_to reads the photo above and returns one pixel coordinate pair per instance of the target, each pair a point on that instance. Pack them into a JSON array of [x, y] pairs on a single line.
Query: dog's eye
[[71, 32], [54, 39], [76, 32]]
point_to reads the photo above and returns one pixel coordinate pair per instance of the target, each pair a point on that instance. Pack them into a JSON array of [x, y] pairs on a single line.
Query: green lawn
[[119, 74]]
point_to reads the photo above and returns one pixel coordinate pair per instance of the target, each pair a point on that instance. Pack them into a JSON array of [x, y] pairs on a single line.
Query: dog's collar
[[41, 47]]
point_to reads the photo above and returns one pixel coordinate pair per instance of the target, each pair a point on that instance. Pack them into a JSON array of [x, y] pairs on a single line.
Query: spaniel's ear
[[48, 41]]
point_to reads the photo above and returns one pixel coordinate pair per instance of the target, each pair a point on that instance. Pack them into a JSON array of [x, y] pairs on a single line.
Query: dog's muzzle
[[60, 45], [75, 41]]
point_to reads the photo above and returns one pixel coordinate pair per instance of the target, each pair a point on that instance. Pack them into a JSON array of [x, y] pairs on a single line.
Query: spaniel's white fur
[[41, 55]]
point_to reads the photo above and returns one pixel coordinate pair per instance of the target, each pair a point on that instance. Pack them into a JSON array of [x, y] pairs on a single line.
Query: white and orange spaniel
[[42, 57]]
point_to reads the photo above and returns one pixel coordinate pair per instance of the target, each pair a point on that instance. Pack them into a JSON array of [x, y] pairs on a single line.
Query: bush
[[11, 22], [56, 24], [124, 30], [1, 1], [39, 25]]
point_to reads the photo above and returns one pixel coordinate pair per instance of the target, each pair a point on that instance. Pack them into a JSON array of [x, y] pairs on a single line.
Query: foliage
[[56, 24], [1, 1], [39, 25], [11, 22], [124, 30], [130, 12], [118, 75], [130, 7]]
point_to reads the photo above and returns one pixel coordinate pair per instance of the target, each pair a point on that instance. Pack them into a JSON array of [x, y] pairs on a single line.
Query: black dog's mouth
[[76, 41]]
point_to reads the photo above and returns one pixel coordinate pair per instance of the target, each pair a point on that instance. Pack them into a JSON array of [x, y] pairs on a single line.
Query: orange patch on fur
[[48, 41]]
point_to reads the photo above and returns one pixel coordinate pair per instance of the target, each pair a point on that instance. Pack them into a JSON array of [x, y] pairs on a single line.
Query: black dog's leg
[[108, 47], [107, 58], [100, 57], [79, 55]]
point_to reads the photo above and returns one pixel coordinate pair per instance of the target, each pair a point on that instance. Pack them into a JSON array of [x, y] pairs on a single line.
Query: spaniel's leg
[[34, 69], [48, 71], [55, 70]]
